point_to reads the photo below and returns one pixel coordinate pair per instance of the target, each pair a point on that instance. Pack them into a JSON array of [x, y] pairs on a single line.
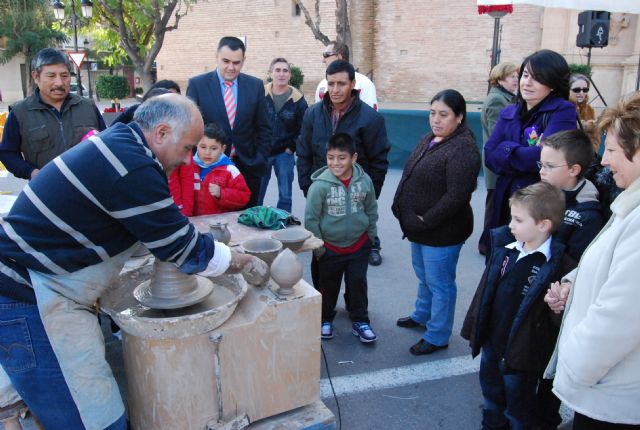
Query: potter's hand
[[214, 190], [254, 270], [557, 295]]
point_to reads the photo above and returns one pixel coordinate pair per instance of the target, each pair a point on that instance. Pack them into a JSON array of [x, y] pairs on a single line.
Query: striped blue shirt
[[91, 203]]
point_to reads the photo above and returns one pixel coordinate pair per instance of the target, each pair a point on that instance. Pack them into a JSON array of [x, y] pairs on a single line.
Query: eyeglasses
[[578, 90], [328, 54], [547, 166]]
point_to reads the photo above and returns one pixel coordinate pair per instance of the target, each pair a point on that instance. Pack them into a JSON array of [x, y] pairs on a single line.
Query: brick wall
[[424, 47], [271, 30], [413, 48]]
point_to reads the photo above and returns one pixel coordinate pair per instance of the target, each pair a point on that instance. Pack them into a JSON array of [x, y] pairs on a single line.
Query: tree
[[343, 29], [27, 27], [112, 87], [140, 26]]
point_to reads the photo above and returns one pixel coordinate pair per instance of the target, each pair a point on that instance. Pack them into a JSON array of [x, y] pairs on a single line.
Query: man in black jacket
[[344, 112]]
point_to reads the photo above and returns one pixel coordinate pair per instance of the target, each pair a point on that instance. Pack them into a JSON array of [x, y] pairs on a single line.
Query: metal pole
[[638, 78], [494, 47], [589, 57], [75, 44], [89, 77]]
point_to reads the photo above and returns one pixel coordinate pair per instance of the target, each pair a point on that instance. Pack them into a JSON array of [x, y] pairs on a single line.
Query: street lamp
[[87, 12]]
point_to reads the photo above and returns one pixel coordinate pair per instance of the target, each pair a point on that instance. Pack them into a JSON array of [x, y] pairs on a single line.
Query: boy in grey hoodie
[[342, 211]]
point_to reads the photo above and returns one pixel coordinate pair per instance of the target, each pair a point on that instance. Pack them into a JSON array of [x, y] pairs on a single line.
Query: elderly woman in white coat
[[597, 358]]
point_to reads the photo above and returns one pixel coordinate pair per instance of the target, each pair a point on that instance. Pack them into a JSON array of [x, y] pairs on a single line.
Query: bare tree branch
[[343, 29], [315, 27]]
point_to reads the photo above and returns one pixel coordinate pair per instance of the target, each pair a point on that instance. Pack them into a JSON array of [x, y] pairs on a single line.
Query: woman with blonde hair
[[503, 80], [597, 357]]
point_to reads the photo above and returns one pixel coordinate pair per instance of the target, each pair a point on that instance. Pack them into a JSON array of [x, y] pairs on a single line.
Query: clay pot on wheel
[[286, 271]]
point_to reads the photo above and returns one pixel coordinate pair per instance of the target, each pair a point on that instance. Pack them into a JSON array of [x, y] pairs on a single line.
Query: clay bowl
[[264, 249], [291, 238]]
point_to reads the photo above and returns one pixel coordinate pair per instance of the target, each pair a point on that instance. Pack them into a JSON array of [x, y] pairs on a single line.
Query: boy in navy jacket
[[564, 159], [514, 327]]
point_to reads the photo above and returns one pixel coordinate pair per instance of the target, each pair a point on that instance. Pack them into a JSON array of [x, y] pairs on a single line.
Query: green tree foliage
[[137, 29], [112, 87], [26, 26], [297, 77]]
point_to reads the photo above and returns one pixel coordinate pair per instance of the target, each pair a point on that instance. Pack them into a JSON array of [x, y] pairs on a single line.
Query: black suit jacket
[[251, 134]]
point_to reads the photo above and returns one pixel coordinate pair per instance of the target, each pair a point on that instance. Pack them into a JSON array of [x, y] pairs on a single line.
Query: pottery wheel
[[144, 294]]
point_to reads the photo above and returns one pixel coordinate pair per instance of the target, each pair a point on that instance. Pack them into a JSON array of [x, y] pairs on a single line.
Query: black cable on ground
[[326, 366]]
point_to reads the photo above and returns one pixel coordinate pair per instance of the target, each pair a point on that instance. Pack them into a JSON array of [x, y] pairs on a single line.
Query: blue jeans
[[283, 164], [509, 399], [27, 357], [435, 267]]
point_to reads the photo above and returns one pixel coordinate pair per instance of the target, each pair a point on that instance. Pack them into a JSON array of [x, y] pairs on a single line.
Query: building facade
[[410, 48]]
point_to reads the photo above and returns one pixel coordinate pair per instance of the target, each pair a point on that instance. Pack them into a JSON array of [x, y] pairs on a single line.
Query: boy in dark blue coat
[[564, 159], [514, 327]]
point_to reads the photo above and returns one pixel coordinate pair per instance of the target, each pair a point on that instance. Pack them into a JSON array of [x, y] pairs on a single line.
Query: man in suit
[[236, 103]]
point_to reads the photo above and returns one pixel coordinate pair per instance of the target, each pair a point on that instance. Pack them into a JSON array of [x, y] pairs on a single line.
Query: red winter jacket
[[193, 197]]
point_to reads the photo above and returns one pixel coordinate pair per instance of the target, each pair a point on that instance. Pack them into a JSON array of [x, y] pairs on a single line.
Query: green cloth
[[267, 217]]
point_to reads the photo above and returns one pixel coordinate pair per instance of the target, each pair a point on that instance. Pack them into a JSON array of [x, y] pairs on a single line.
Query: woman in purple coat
[[541, 107]]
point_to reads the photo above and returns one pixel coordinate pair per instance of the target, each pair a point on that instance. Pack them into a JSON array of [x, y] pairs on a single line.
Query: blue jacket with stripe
[[91, 203]]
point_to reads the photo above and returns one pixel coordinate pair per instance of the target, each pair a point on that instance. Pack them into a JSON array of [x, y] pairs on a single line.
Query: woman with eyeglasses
[[541, 107], [579, 96]]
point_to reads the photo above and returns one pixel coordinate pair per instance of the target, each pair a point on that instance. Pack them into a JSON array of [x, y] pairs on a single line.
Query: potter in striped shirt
[[68, 235]]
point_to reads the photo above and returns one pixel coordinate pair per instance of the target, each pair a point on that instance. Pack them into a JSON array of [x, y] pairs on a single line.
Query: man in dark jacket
[[344, 112], [236, 103], [285, 108], [47, 123]]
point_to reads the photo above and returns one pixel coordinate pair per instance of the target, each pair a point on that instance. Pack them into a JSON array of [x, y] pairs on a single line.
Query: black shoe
[[423, 347], [407, 322], [375, 259]]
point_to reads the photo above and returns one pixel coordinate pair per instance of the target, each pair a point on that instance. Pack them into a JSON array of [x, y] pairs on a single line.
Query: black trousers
[[253, 182], [582, 422], [331, 268], [484, 243], [547, 412]]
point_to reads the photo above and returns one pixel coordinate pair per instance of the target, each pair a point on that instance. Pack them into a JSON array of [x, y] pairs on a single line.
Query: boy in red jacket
[[211, 184]]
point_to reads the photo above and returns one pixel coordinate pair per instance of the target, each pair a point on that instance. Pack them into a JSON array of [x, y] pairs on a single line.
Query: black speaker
[[593, 29]]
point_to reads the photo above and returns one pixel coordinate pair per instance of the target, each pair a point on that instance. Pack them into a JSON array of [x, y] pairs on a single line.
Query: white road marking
[[407, 375], [399, 376]]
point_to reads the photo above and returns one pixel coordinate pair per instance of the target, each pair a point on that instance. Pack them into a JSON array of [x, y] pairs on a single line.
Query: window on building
[[295, 8]]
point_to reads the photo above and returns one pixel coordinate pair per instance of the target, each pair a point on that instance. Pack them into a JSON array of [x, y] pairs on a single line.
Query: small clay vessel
[[169, 288], [220, 232], [286, 271]]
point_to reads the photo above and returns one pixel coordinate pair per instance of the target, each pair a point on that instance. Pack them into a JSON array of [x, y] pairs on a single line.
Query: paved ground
[[383, 386]]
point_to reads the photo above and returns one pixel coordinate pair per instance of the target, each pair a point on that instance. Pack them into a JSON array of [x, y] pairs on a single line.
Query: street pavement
[[382, 385]]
